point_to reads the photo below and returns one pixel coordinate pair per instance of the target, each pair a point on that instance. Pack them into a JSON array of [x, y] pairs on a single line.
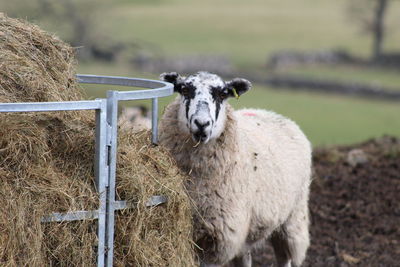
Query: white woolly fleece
[[247, 184]]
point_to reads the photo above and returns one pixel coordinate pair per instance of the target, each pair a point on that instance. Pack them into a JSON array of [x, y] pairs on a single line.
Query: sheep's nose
[[201, 125]]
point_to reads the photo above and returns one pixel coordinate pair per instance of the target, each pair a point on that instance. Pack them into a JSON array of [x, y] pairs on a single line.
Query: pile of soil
[[354, 207]]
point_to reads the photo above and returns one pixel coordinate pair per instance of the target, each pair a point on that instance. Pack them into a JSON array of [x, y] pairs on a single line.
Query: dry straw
[[46, 165]]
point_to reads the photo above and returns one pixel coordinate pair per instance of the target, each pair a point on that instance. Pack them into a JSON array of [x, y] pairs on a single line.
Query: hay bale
[[159, 236], [33, 64], [46, 165]]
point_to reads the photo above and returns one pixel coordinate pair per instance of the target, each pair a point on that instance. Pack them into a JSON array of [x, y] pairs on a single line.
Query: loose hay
[[159, 236], [46, 165]]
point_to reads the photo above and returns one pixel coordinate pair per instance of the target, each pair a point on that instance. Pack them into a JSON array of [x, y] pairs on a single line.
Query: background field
[[247, 33]]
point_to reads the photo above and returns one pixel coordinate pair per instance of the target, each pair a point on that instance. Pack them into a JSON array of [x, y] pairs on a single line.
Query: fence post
[[112, 116], [154, 121], [101, 174]]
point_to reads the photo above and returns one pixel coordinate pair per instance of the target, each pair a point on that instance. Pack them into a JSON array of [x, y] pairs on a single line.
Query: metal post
[[154, 121], [112, 116], [101, 175]]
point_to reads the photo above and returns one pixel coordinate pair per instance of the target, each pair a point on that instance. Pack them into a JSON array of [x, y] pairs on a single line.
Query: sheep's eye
[[223, 94], [185, 91]]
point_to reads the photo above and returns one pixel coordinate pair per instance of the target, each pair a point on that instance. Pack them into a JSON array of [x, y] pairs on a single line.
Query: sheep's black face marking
[[188, 91], [203, 99], [219, 95]]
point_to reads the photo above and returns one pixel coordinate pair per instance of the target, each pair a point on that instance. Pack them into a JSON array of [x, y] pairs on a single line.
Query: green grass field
[[328, 119], [247, 32], [387, 78]]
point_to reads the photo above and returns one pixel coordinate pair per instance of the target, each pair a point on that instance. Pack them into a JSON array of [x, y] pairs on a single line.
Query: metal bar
[[71, 216], [159, 88], [145, 94], [151, 202], [112, 117], [120, 205], [95, 214], [121, 81], [154, 121], [50, 106], [101, 173], [156, 200], [101, 169]]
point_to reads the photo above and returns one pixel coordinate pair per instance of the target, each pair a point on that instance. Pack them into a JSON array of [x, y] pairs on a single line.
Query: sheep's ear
[[238, 86], [174, 78]]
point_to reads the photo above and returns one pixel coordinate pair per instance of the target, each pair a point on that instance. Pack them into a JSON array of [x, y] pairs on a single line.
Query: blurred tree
[[370, 16]]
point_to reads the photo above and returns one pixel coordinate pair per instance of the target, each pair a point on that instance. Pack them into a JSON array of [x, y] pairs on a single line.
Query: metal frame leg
[[112, 116], [154, 121], [101, 174]]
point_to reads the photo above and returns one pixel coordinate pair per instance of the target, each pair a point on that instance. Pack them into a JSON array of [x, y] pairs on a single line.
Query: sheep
[[249, 171], [136, 118]]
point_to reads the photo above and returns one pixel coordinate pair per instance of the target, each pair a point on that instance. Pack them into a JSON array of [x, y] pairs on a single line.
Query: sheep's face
[[203, 101]]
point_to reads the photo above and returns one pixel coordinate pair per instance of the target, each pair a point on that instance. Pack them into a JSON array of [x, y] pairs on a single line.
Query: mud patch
[[354, 208]]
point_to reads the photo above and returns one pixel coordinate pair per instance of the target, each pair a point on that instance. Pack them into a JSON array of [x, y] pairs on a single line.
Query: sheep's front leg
[[243, 260], [281, 248], [202, 264], [291, 241]]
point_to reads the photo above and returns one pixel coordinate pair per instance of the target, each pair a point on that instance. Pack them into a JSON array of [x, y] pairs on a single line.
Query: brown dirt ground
[[355, 208]]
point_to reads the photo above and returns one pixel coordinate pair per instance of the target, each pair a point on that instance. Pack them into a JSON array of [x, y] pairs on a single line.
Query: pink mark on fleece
[[249, 114]]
